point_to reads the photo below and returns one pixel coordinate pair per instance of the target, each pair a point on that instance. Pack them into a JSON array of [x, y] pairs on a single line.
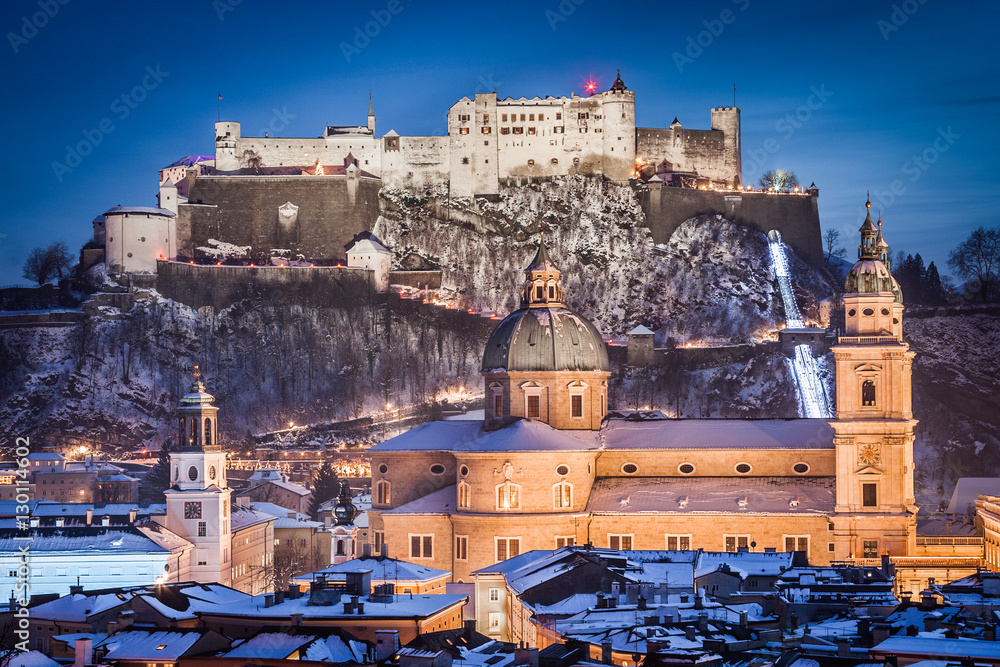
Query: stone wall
[[243, 210], [795, 216], [197, 285]]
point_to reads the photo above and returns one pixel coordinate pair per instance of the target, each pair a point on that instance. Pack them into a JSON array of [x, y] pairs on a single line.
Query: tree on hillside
[[779, 180], [44, 264], [977, 259], [933, 287], [157, 479], [325, 486], [831, 238]]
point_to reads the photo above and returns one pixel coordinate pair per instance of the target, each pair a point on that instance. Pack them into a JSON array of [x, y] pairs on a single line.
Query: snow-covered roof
[[529, 435], [45, 456], [968, 489], [190, 161], [382, 569], [686, 495], [441, 501], [402, 606], [640, 331], [187, 601], [284, 517], [243, 517], [335, 649], [78, 607], [368, 245], [148, 210], [138, 645], [744, 563], [954, 648], [270, 646], [82, 539], [26, 659], [53, 508]]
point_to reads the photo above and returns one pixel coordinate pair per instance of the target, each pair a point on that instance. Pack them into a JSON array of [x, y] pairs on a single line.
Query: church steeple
[[881, 246], [869, 232], [542, 288], [197, 417], [371, 115]]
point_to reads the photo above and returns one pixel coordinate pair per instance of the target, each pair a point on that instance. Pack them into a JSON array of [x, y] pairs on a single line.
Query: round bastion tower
[[544, 361]]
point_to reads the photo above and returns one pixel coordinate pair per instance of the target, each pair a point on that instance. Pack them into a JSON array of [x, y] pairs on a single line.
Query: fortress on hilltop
[[492, 140]]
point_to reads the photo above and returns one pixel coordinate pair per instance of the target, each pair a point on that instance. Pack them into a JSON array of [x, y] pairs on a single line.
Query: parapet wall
[[197, 285], [795, 216]]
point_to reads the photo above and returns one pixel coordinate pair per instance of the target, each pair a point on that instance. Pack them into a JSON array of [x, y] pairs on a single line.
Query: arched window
[[193, 434], [868, 393], [508, 496], [182, 430], [382, 489], [464, 494], [208, 432], [340, 548], [562, 495]]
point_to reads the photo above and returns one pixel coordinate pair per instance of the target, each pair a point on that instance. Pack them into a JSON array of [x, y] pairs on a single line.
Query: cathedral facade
[[547, 467]]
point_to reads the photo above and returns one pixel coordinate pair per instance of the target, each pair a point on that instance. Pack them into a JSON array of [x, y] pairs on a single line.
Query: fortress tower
[[727, 120], [875, 511], [227, 138]]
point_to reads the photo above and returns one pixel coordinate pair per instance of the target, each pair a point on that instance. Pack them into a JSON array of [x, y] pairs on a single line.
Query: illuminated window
[[464, 494], [531, 130], [508, 496], [498, 405], [486, 118], [487, 129], [463, 130], [562, 495], [382, 489], [868, 393], [461, 547], [870, 549], [504, 130], [541, 116]]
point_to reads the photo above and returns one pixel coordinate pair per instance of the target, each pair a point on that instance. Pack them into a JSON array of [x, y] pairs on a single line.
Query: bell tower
[[199, 497], [875, 510]]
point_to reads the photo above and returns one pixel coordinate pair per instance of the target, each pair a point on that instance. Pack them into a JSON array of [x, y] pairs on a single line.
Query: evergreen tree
[[933, 288], [157, 479], [325, 486]]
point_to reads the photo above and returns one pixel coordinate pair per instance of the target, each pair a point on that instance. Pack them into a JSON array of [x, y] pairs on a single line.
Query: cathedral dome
[[545, 339]]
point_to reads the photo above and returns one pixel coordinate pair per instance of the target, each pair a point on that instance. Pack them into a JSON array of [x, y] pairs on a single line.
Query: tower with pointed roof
[[344, 531], [875, 511], [544, 361], [371, 115], [198, 499]]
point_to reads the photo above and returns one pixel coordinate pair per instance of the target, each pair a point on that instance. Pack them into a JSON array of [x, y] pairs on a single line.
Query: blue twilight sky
[[898, 97]]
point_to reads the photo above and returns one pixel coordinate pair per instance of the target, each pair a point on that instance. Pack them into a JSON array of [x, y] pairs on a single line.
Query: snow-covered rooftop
[[402, 606], [953, 648], [146, 210], [744, 563], [382, 569], [137, 645], [82, 539], [749, 495], [968, 489], [76, 608]]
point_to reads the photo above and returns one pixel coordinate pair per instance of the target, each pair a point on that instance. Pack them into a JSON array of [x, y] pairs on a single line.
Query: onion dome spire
[[869, 232]]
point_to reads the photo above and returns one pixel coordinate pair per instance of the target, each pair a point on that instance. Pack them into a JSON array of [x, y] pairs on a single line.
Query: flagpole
[[220, 107], [734, 94]]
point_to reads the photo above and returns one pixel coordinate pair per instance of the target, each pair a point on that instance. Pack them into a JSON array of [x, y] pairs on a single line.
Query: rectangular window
[[504, 118], [518, 130], [494, 595], [495, 621], [464, 491], [558, 129], [531, 116], [869, 495], [463, 117], [487, 129], [678, 542], [522, 117], [582, 115], [623, 542], [202, 529], [379, 539], [508, 547], [576, 403], [421, 546], [531, 130], [461, 547], [486, 118], [829, 546], [797, 543], [498, 405], [504, 130], [558, 115], [463, 130], [565, 541], [736, 542], [871, 549], [382, 492], [533, 407], [541, 116]]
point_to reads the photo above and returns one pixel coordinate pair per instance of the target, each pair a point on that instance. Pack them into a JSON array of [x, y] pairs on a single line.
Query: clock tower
[[875, 510], [198, 499]]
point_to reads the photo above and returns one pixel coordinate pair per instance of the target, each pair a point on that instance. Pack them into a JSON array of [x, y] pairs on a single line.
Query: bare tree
[[37, 267], [252, 160], [977, 258], [779, 180], [831, 238], [58, 258]]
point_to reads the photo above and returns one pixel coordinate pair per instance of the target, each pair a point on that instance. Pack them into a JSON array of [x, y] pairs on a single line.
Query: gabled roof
[[138, 645], [640, 330]]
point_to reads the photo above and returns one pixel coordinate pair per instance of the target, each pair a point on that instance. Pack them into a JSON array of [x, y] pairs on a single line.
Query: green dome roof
[[871, 275], [545, 339]]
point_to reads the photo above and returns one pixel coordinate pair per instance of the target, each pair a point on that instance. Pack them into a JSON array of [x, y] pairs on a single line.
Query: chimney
[[83, 652], [366, 550], [744, 619], [689, 633], [294, 591], [90, 515], [296, 619], [702, 623], [526, 657], [132, 513], [606, 652], [616, 588], [642, 603], [361, 608], [843, 648], [932, 622], [880, 633], [112, 627], [386, 644], [601, 602], [268, 600], [279, 597]]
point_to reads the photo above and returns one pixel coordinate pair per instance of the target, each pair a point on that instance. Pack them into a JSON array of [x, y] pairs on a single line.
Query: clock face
[[869, 454], [192, 510]]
